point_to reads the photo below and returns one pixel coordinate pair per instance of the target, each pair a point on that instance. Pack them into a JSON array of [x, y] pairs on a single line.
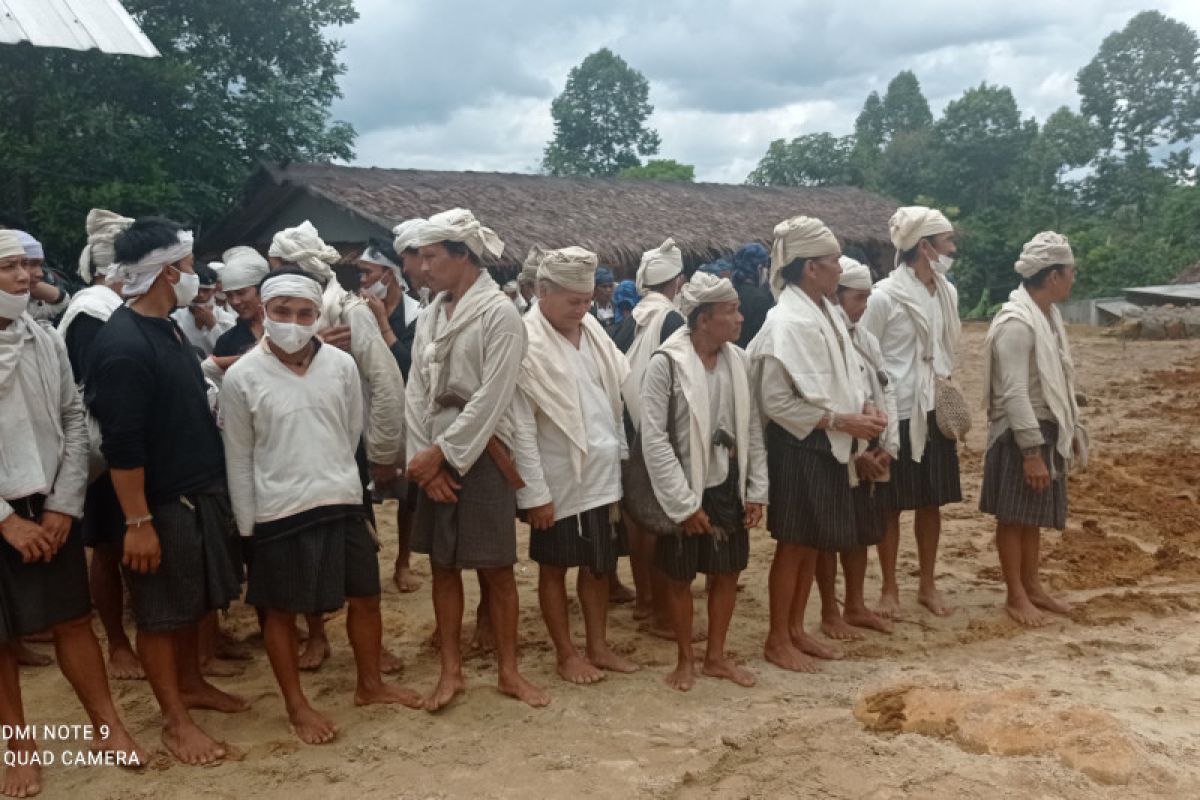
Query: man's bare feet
[[725, 668], [1046, 602], [315, 651], [683, 677], [663, 630], [866, 618], [448, 688], [405, 581], [642, 611], [191, 745], [390, 663], [220, 668], [205, 695], [387, 693], [482, 640], [889, 604], [27, 657], [311, 726], [515, 685], [1026, 613], [933, 600], [119, 741], [124, 665], [608, 660], [618, 592], [814, 647], [577, 669], [837, 628], [23, 780], [788, 656]]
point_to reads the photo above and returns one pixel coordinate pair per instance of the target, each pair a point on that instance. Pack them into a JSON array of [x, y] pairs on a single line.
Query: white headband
[[300, 286], [140, 276]]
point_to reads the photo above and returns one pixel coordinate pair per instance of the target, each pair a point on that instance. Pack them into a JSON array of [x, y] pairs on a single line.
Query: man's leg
[[279, 640], [483, 640], [800, 638], [402, 576], [197, 692], [502, 595], [722, 596], [782, 583], [552, 596], [1017, 604], [641, 556], [889, 553], [856, 613], [679, 599], [108, 595], [364, 627], [1031, 562], [448, 612], [82, 664], [316, 646], [20, 780], [593, 591], [618, 592], [211, 663], [185, 739], [832, 624], [929, 531]]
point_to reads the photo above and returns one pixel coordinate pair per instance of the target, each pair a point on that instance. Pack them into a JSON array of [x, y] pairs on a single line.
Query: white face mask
[[943, 264], [290, 337], [186, 288], [376, 290], [12, 306]]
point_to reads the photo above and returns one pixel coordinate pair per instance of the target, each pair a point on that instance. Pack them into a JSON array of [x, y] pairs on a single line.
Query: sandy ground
[[1105, 704]]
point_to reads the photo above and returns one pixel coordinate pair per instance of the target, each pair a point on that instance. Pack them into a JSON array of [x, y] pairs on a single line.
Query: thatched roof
[[617, 218]]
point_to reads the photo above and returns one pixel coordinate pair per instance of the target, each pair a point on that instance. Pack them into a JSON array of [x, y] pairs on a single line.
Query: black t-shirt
[[235, 341], [756, 301], [623, 332], [80, 335], [146, 390], [404, 331]]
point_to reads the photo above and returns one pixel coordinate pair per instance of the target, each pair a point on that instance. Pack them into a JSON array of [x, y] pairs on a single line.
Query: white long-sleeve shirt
[[290, 439], [204, 339]]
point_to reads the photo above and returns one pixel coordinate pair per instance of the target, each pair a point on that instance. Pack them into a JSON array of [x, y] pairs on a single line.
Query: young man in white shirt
[[203, 321]]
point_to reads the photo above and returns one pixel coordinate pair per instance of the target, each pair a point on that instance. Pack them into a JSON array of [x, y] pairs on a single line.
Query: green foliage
[[177, 135], [815, 159], [661, 169], [600, 119], [904, 108]]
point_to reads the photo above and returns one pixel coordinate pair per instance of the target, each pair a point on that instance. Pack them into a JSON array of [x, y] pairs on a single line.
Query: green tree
[[815, 159], [661, 169], [600, 119], [868, 141], [178, 135], [904, 108]]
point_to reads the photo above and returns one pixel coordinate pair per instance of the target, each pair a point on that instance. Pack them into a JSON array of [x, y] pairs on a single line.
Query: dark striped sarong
[[587, 540], [1006, 495], [682, 557], [477, 532], [934, 481], [309, 563], [812, 503], [196, 575], [40, 595]]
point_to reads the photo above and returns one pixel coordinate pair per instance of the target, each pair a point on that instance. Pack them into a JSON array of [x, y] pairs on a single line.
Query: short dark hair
[[145, 235], [206, 274], [906, 256], [793, 271], [697, 312], [287, 271], [457, 249], [384, 248], [1038, 279]]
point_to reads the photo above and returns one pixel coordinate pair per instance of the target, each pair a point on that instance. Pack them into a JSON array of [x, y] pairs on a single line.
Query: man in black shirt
[[145, 388]]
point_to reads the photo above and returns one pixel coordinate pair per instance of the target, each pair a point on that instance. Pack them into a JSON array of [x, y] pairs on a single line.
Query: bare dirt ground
[[1104, 704]]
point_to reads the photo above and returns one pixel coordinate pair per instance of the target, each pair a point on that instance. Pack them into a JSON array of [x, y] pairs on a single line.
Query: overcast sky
[[456, 85]]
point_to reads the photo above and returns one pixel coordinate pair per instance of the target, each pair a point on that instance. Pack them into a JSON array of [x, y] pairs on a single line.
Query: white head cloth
[[855, 274], [799, 237], [33, 248], [302, 246], [140, 276], [572, 268], [1043, 251], [300, 286], [911, 224], [97, 256], [406, 234], [244, 266], [372, 256], [659, 266], [704, 288], [510, 288], [10, 245], [460, 225]]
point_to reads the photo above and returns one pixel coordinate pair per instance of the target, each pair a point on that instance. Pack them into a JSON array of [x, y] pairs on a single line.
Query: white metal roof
[[1176, 291], [103, 25]]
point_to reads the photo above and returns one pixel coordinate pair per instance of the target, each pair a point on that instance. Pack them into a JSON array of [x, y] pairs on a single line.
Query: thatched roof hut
[[617, 218]]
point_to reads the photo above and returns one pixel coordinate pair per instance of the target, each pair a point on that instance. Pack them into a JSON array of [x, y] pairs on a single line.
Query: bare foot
[[191, 745], [516, 686], [606, 659], [27, 657], [448, 688], [220, 668], [664, 631], [119, 741], [230, 649], [618, 592], [807, 644], [836, 628], [482, 640], [205, 695], [725, 668], [576, 669], [933, 601], [314, 654], [390, 663], [23, 781], [311, 726], [787, 656], [123, 665], [405, 581], [866, 618], [387, 693], [683, 677], [889, 604], [642, 611], [1047, 603], [1027, 614]]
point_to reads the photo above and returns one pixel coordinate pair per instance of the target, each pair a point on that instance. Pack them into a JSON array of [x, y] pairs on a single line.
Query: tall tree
[[815, 159], [600, 119], [904, 108]]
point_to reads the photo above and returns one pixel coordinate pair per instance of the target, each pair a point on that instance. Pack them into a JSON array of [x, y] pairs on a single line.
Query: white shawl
[[648, 316], [483, 295], [95, 301]]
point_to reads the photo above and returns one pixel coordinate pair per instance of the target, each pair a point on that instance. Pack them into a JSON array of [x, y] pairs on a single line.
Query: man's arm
[[667, 477], [385, 418], [237, 431], [70, 484]]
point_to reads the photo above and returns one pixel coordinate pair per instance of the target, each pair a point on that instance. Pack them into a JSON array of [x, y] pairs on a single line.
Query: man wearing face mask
[[914, 314], [146, 391], [201, 321]]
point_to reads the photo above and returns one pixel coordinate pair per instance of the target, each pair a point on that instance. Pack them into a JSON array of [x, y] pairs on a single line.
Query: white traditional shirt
[[204, 339]]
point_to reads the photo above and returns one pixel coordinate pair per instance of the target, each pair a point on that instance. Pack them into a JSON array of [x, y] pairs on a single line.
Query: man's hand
[[542, 517], [143, 553], [442, 488], [45, 292], [336, 336], [384, 476], [58, 526], [697, 524], [1037, 477], [753, 515], [425, 465], [867, 467], [204, 316], [29, 539], [861, 426]]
